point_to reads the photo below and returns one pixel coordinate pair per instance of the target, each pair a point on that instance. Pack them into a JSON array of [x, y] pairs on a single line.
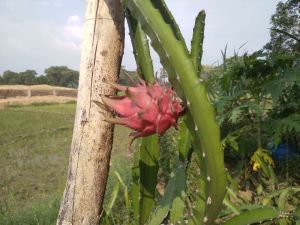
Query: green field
[[34, 149]]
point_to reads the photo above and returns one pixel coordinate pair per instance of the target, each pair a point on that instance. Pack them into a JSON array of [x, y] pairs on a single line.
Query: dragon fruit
[[145, 108]]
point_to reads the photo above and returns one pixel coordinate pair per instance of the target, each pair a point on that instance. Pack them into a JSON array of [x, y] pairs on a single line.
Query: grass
[[39, 213], [34, 151]]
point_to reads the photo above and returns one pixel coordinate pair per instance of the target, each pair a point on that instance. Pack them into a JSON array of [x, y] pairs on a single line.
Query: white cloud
[[73, 31], [74, 28], [70, 36], [67, 44], [74, 19], [35, 45]]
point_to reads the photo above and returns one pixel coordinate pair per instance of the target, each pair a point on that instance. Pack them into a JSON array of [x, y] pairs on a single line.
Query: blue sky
[[36, 34]]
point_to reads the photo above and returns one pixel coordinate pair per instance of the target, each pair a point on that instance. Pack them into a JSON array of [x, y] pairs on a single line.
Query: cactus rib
[[197, 41], [169, 19], [140, 48], [201, 197]]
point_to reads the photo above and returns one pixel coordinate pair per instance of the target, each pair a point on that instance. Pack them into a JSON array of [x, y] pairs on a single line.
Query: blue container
[[282, 151]]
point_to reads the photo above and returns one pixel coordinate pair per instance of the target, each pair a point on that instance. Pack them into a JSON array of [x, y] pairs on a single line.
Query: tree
[[285, 30], [10, 77], [127, 77], [62, 76], [41, 80], [102, 52], [27, 77]]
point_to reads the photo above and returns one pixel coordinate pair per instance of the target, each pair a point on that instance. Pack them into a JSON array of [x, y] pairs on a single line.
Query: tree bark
[[102, 52]]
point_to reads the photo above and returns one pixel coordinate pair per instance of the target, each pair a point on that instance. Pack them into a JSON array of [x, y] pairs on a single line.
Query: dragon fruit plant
[[198, 130], [149, 108], [145, 108]]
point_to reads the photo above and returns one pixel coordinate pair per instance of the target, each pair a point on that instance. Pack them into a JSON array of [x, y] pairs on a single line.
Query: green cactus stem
[[146, 159], [197, 41], [135, 186], [177, 213], [184, 139], [140, 49], [149, 155], [254, 216]]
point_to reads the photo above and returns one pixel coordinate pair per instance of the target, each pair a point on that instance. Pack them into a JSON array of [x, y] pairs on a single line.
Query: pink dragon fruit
[[145, 108]]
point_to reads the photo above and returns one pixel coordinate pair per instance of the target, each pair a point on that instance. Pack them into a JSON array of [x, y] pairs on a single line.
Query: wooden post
[[29, 92], [102, 52]]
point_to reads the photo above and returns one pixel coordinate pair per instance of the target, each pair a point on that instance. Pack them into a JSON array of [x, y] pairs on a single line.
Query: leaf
[[261, 157], [278, 84], [174, 189], [230, 141], [286, 33], [126, 194], [235, 115], [283, 126], [112, 198]]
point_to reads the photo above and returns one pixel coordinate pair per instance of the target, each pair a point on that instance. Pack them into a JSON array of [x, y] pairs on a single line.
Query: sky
[[37, 34]]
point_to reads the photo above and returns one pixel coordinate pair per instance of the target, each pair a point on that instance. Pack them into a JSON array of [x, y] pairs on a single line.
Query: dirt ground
[[33, 87], [35, 99], [40, 94]]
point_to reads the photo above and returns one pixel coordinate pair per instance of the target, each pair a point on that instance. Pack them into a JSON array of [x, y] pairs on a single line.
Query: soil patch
[[35, 99]]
